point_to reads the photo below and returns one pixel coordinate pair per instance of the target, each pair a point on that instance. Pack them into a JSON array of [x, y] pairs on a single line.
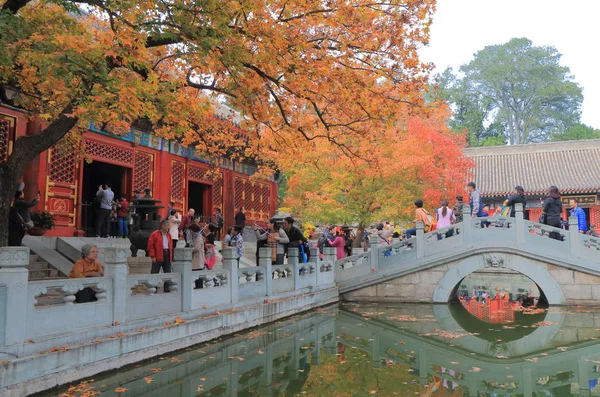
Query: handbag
[[26, 225], [542, 219]]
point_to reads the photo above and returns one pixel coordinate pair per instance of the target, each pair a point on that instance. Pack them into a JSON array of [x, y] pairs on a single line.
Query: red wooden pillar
[[228, 198]]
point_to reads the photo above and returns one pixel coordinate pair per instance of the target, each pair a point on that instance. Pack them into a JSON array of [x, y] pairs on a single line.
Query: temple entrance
[[95, 174], [199, 195]]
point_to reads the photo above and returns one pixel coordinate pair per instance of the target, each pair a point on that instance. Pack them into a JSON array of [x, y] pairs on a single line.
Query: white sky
[[463, 27]]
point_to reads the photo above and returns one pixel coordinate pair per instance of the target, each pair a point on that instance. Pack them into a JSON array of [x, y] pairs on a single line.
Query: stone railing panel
[[307, 275], [210, 288], [148, 296], [252, 282], [493, 222], [443, 239], [590, 247], [51, 306], [547, 239], [398, 252], [283, 278], [326, 273], [353, 266]]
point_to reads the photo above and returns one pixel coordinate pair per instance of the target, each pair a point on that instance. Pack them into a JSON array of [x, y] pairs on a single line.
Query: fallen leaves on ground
[[179, 320], [4, 362]]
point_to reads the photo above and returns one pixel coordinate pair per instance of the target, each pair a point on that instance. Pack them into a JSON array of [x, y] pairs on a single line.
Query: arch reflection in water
[[361, 350], [497, 296]]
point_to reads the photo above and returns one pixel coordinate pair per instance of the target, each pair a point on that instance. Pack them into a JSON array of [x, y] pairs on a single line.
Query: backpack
[[431, 223]]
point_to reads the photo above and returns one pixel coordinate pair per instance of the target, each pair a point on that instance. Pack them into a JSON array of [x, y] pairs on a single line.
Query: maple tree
[[299, 70], [419, 158]]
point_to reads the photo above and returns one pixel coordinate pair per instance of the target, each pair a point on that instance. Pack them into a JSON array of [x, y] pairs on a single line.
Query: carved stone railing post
[[115, 267], [314, 258], [295, 265], [467, 225], [14, 278], [265, 259], [182, 264], [520, 223], [374, 253], [330, 255], [420, 245], [230, 263], [575, 237]]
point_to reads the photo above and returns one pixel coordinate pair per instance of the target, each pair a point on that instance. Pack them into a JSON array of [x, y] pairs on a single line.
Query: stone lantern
[[145, 221]]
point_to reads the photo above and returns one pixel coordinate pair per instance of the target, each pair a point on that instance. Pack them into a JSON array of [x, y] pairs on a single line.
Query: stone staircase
[[39, 269]]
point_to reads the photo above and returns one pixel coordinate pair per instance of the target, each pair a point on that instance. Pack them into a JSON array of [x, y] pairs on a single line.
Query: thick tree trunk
[[8, 186], [26, 148], [359, 232]]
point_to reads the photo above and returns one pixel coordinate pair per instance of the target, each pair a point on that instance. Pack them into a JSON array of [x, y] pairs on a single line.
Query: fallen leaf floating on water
[[454, 362], [373, 392], [475, 369], [260, 351], [544, 324], [562, 348], [148, 379], [120, 390], [156, 370], [532, 359]]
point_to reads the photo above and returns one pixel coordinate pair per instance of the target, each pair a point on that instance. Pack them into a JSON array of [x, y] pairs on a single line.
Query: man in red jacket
[[160, 250]]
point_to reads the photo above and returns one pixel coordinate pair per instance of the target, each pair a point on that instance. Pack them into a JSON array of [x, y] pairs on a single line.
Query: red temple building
[[572, 166], [68, 183]]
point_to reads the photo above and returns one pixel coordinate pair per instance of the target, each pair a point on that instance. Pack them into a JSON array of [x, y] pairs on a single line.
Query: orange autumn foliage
[[331, 74], [417, 158]]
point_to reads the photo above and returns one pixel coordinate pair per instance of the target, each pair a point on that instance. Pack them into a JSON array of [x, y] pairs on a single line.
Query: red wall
[[58, 176]]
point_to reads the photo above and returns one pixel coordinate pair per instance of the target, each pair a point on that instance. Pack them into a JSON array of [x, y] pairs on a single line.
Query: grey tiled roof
[[572, 166]]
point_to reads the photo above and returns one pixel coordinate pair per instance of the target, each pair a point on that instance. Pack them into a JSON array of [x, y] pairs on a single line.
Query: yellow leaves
[[120, 390], [179, 321], [4, 362]]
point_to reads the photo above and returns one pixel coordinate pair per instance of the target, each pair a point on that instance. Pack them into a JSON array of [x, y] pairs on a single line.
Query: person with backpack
[[421, 215]]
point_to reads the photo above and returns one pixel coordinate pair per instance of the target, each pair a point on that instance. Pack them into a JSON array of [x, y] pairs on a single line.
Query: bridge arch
[[535, 270]]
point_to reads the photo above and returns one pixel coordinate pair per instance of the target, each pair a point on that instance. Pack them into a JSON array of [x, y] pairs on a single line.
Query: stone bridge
[[427, 268]]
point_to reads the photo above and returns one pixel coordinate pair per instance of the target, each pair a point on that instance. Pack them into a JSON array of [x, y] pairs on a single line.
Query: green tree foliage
[[515, 90], [576, 133]]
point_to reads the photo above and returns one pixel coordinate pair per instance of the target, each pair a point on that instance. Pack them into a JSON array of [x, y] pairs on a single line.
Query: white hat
[[21, 186]]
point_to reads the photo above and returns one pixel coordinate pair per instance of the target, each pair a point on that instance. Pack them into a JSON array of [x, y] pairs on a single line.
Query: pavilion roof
[[572, 166]]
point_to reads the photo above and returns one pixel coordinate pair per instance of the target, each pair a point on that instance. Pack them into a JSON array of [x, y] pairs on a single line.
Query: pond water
[[378, 350]]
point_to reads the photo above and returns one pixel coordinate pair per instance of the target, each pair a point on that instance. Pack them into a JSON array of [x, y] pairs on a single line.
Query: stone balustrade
[[36, 309], [487, 234]]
